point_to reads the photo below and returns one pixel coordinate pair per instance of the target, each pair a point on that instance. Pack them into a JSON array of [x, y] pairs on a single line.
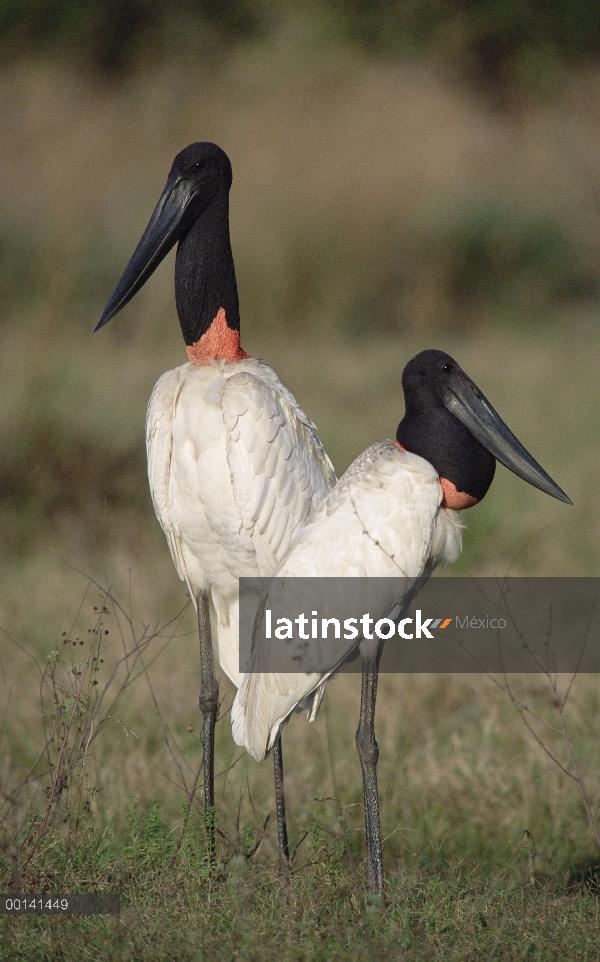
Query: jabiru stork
[[235, 466], [394, 511]]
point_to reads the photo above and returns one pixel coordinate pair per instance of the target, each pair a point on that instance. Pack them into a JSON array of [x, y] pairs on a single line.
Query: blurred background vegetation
[[407, 174], [498, 45]]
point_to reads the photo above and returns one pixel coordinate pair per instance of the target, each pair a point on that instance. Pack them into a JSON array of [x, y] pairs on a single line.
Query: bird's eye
[[446, 367], [200, 165], [423, 375]]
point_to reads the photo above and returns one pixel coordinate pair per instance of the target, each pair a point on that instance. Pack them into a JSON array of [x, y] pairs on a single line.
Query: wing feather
[[279, 470]]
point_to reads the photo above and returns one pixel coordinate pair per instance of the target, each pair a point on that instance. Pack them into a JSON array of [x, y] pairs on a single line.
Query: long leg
[[368, 752], [209, 706], [284, 850]]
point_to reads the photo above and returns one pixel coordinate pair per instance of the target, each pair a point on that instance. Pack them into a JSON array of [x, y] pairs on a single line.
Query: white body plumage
[[235, 468], [384, 519]]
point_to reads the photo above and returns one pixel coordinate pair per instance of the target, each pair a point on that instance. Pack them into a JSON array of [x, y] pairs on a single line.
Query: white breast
[[235, 468]]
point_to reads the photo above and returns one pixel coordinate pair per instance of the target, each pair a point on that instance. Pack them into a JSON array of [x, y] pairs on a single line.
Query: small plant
[[81, 686]]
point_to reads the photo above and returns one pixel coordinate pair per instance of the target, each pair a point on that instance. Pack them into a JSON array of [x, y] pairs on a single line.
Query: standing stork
[[235, 466], [393, 512]]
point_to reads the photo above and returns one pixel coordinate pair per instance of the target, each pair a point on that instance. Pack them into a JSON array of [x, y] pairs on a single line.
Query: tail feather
[[264, 703], [249, 719], [224, 620]]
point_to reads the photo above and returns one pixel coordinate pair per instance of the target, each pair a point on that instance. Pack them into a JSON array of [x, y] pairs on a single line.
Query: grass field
[[375, 212]]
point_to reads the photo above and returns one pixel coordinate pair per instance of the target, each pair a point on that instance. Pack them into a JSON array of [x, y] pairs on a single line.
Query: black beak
[[466, 402], [166, 226]]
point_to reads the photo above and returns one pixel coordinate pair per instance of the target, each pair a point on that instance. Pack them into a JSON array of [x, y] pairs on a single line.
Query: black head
[[428, 379], [200, 173], [450, 423], [205, 169]]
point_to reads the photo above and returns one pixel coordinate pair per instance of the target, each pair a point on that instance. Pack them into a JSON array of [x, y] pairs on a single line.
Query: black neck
[[205, 273], [436, 435]]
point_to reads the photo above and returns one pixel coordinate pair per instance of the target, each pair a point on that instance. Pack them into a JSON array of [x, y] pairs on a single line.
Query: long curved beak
[[164, 229], [466, 402]]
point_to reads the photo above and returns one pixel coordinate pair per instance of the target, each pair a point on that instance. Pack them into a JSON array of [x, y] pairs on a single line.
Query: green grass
[[488, 851], [458, 911]]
